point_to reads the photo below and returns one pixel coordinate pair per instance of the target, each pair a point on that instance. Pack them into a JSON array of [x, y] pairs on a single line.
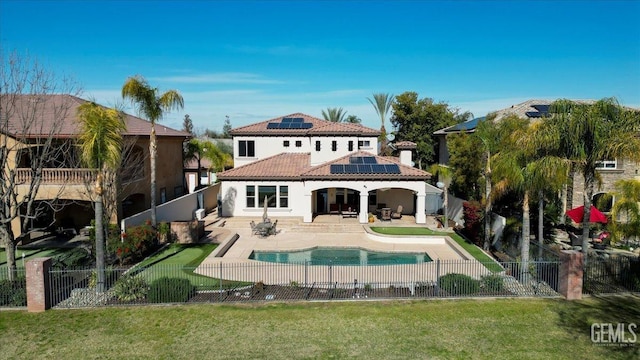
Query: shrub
[[131, 288], [459, 284], [493, 283], [472, 212], [169, 290], [135, 244], [13, 293]]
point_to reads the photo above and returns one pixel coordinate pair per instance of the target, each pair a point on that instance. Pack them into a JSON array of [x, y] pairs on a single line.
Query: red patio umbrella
[[595, 216]]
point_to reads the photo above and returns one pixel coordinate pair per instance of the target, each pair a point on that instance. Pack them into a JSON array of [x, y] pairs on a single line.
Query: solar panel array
[[542, 111], [365, 169], [290, 123], [362, 160]]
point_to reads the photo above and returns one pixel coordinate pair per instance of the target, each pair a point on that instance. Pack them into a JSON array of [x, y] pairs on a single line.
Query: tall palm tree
[[150, 103], [587, 133], [334, 114], [198, 150], [444, 175], [382, 103], [100, 144]]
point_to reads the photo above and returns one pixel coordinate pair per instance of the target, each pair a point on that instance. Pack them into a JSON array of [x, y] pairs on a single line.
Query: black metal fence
[[258, 281], [13, 293], [614, 274]]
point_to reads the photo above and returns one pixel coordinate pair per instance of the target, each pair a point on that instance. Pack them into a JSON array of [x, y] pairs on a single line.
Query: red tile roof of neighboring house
[[284, 166], [295, 166], [402, 145], [319, 127], [56, 116]]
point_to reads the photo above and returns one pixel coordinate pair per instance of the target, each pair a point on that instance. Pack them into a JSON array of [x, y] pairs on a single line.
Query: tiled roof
[[284, 166], [320, 127], [295, 166], [323, 172], [405, 145], [48, 110]]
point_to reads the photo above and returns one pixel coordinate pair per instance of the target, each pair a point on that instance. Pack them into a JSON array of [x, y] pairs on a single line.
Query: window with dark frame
[[298, 143], [350, 145], [284, 196], [251, 196], [246, 148], [317, 145], [285, 143], [334, 145]]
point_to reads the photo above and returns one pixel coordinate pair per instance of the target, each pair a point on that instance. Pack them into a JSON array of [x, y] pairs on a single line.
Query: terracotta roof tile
[[320, 127], [406, 145], [284, 166], [46, 110]]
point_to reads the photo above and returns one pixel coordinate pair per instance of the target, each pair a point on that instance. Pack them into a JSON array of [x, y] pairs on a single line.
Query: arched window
[[603, 202]]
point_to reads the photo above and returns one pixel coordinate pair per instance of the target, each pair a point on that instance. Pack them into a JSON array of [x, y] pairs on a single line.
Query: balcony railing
[[58, 176]]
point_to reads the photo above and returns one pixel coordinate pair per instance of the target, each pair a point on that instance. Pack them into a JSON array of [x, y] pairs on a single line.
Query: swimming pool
[[340, 256]]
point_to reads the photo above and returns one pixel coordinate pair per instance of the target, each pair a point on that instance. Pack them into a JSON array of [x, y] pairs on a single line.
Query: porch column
[[421, 216], [363, 216], [307, 216]]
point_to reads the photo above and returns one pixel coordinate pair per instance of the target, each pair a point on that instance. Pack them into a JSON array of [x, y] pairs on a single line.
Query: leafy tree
[[226, 128], [151, 104], [353, 119], [444, 174], [100, 143], [626, 210], [416, 120], [334, 114], [187, 124], [587, 133], [198, 150], [28, 107], [382, 103], [465, 158]]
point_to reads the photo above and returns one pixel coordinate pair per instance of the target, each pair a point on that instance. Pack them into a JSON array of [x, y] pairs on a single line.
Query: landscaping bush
[[131, 288], [473, 221], [136, 243], [170, 290], [459, 284], [13, 293], [493, 283]]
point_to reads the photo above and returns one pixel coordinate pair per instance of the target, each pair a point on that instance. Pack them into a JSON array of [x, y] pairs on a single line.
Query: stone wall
[[625, 169]]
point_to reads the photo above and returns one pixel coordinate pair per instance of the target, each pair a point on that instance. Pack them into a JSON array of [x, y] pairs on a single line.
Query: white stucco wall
[[234, 199], [269, 146], [342, 149]]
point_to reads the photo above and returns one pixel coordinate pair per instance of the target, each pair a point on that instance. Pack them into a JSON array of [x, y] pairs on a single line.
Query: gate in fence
[[615, 274]]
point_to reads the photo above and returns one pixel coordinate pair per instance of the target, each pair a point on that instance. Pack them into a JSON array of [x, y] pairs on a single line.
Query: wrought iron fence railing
[[260, 281], [614, 274], [13, 293]]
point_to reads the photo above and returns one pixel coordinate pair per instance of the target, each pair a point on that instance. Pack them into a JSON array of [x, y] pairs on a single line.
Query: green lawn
[[440, 329], [30, 254], [180, 261], [472, 249]]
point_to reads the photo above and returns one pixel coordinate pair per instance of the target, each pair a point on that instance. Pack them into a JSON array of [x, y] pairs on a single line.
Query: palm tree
[[152, 105], [353, 119], [201, 149], [444, 174], [100, 143], [587, 133], [334, 114], [382, 103], [627, 208]]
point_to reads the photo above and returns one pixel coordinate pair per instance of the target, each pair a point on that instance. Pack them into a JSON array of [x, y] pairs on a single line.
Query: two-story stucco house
[[306, 166], [609, 170], [29, 120]]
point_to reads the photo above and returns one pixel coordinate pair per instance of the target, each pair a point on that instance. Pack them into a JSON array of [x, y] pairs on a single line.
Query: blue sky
[[253, 60]]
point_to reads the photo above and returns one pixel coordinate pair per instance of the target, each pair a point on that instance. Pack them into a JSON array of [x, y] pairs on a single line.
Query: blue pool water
[[340, 256]]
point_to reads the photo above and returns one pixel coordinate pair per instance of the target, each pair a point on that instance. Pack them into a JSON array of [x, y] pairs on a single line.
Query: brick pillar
[[38, 298], [570, 277]]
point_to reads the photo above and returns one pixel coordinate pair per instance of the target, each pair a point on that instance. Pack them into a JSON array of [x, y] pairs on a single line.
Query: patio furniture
[[266, 228], [334, 209], [349, 213], [398, 213], [385, 214]]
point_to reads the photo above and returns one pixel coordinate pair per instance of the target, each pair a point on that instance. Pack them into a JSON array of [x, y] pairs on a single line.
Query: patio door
[[321, 201]]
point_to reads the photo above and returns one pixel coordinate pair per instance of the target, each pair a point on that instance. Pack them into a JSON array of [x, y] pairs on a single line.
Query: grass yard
[[30, 254], [453, 329], [180, 261], [473, 250]]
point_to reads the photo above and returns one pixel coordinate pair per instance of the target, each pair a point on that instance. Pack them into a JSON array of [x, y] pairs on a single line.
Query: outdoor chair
[[253, 227], [398, 213], [274, 231]]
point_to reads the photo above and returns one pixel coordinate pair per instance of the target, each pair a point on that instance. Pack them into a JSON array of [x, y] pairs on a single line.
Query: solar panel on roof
[[369, 160], [273, 126], [295, 125], [392, 169], [337, 169], [364, 169], [533, 114], [544, 109], [287, 120], [351, 169], [297, 120], [356, 160], [378, 169], [306, 125]]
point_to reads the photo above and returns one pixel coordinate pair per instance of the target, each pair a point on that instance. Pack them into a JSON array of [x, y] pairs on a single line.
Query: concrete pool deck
[[328, 231]]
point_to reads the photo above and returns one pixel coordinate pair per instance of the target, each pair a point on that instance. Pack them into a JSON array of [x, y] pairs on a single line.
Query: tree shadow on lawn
[[577, 317]]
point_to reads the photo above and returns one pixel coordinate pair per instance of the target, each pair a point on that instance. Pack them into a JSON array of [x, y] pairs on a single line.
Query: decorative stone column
[[38, 294], [570, 276], [421, 216], [363, 215]]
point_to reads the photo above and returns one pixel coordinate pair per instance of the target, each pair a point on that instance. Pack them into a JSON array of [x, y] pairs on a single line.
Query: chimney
[[406, 151]]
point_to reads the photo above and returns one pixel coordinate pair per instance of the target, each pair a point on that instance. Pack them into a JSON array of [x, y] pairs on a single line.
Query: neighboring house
[[206, 171], [306, 166], [71, 185], [610, 170]]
